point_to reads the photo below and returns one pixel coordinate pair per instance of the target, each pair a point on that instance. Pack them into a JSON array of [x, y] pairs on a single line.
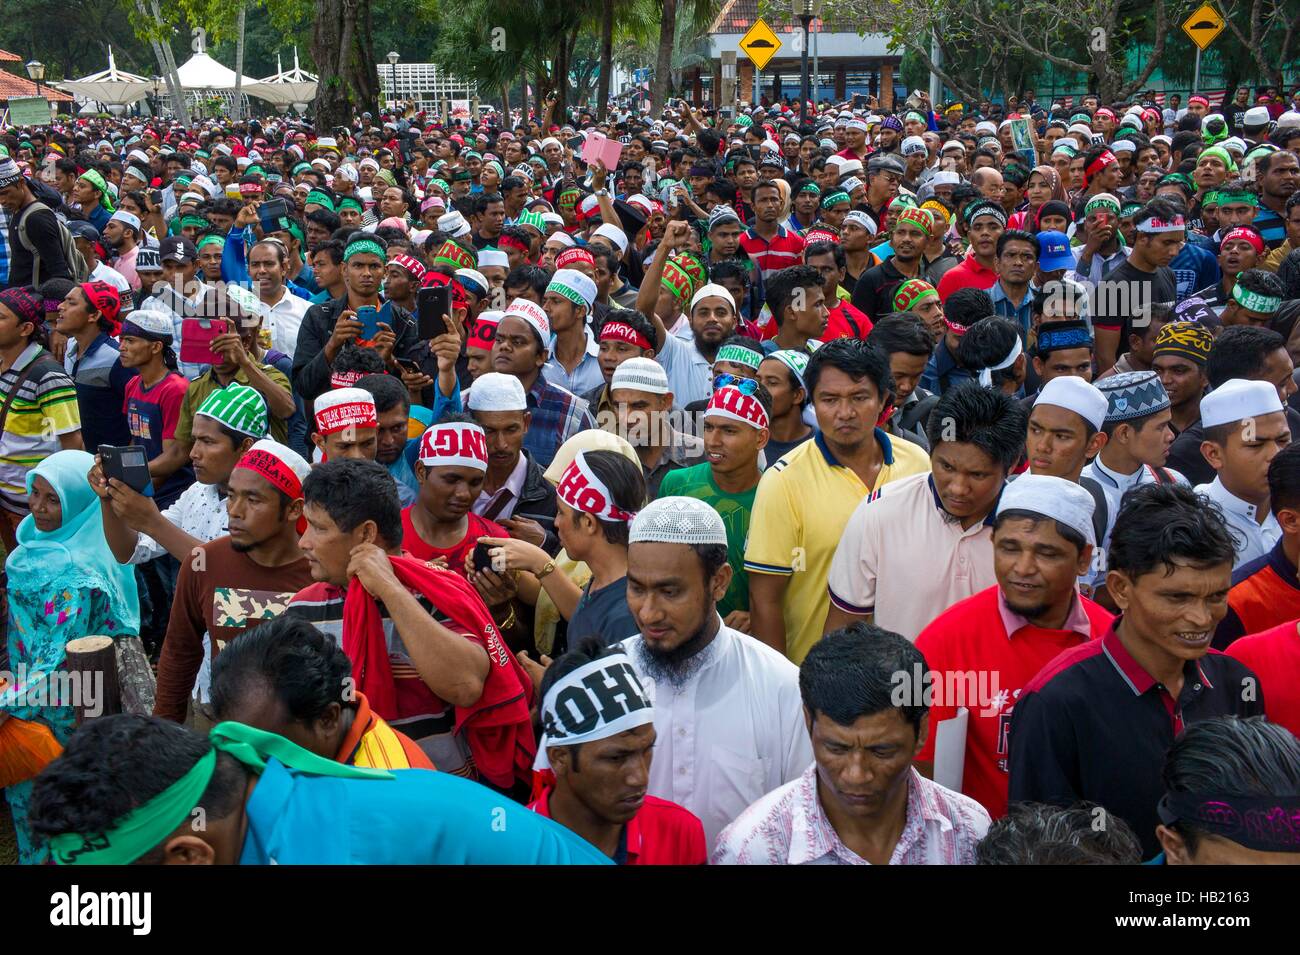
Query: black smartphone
[[483, 556], [411, 365], [128, 464], [273, 215], [576, 142], [859, 100], [155, 197], [433, 310]]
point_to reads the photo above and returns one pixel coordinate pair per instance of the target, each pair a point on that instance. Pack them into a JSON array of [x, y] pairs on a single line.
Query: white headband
[[986, 376], [596, 701], [454, 444], [581, 490]]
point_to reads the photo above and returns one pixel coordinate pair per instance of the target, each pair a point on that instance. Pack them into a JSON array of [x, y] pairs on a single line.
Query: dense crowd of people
[[915, 486]]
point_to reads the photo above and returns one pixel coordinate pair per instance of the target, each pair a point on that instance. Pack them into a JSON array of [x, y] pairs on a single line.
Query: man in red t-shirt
[[1274, 654], [983, 650], [440, 526], [593, 762], [985, 223]]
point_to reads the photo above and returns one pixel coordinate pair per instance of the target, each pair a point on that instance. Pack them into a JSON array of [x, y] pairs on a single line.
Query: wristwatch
[[547, 568], [601, 192]]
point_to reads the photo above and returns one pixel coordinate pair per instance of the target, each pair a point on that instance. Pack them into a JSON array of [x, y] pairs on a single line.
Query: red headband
[[483, 334], [623, 332], [566, 258], [735, 404], [458, 297], [106, 300], [412, 265], [1101, 162], [510, 242], [1247, 234], [274, 470]]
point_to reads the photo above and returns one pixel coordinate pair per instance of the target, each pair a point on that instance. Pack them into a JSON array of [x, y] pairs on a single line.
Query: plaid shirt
[[557, 416], [789, 827]]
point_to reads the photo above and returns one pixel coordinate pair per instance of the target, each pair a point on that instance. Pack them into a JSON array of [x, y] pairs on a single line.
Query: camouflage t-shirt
[[220, 593]]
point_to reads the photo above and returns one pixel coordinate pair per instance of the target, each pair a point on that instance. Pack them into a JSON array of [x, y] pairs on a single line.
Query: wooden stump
[[92, 664]]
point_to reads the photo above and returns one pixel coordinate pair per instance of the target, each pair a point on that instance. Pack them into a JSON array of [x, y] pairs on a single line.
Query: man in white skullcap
[[1245, 428], [1065, 432], [238, 581], [727, 708], [1043, 540], [643, 402], [515, 493], [347, 425], [574, 362]]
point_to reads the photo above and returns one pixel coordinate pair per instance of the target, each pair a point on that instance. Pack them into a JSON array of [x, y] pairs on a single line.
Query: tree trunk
[[237, 111], [343, 47], [664, 56], [606, 59], [166, 63], [523, 94], [93, 663]]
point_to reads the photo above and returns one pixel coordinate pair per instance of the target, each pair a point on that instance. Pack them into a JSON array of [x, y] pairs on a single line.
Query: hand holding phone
[[433, 311], [368, 316], [128, 464]]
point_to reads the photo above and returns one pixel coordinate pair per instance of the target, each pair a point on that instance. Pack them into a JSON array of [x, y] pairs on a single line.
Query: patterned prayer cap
[[678, 520], [238, 407], [1190, 340], [1133, 394]]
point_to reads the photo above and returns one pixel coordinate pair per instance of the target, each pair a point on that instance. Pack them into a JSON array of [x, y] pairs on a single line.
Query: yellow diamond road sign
[[1204, 25], [760, 43]]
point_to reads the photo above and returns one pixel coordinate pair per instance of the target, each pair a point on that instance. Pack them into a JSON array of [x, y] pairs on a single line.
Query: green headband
[[211, 240], [318, 198], [441, 184], [835, 197], [363, 247], [739, 355], [302, 167], [1236, 197], [1210, 198], [350, 203], [1129, 209], [1099, 202], [254, 170], [95, 179], [1255, 301], [145, 826], [810, 186], [197, 221], [1222, 155]]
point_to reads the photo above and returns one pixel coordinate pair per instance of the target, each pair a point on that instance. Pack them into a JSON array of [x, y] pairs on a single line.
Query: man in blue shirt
[[263, 800]]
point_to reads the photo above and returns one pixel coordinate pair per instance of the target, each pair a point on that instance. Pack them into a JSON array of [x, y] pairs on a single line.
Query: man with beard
[[600, 772], [643, 402], [861, 802], [727, 712], [238, 581], [1043, 540]]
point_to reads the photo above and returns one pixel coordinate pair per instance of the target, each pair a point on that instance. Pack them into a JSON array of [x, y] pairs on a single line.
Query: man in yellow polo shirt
[[805, 499]]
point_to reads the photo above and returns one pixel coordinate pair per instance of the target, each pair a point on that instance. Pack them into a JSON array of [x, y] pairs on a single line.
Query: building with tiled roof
[[15, 86], [846, 62]]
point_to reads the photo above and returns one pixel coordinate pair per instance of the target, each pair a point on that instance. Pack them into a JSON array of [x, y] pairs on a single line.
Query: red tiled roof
[[7, 57], [737, 16], [14, 86]]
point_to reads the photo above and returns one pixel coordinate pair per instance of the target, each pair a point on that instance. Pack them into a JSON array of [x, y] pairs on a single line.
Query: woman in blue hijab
[[63, 584]]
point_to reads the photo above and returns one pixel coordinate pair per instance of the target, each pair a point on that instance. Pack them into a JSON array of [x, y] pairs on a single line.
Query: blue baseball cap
[[1054, 252]]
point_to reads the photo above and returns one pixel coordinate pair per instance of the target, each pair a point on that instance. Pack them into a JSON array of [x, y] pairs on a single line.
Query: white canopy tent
[[110, 86], [289, 86], [202, 72]]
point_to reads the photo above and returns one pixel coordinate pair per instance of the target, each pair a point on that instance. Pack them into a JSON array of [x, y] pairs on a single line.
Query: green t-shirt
[[697, 482]]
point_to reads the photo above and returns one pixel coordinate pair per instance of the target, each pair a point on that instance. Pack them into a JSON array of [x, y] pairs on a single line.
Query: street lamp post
[[36, 70], [393, 57], [806, 11]]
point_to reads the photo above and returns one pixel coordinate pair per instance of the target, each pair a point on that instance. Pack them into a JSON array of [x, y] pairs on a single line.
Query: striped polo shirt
[[780, 252], [44, 409]]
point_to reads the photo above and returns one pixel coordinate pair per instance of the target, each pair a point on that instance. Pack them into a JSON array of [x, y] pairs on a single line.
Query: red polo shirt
[[661, 833], [969, 274], [1274, 655], [971, 637]]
